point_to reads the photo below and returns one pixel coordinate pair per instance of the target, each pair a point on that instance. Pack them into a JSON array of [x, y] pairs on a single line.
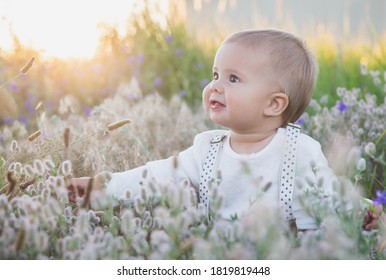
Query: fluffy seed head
[[29, 170], [26, 67], [66, 167], [39, 167], [15, 147], [118, 124], [48, 164], [34, 135]]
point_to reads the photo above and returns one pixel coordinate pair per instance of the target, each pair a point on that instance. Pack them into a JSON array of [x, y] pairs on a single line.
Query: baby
[[262, 82]]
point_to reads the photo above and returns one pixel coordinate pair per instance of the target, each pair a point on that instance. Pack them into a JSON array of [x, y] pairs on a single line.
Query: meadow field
[[139, 99]]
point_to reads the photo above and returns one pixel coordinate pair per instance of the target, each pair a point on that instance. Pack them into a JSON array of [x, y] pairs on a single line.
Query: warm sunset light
[[62, 28]]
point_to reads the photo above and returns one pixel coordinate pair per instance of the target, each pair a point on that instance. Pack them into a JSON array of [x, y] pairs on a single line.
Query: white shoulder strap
[[287, 179], [208, 169]]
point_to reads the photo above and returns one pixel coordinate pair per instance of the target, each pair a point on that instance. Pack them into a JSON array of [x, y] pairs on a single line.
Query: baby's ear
[[278, 102]]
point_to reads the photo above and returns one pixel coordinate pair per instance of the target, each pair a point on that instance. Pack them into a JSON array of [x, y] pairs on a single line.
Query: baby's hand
[[76, 187], [372, 219]]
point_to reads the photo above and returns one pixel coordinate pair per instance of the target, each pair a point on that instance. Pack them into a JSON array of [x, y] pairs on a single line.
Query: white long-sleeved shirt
[[238, 187]]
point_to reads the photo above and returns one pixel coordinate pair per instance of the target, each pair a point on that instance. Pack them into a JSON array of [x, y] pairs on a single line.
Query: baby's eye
[[234, 79], [215, 76]]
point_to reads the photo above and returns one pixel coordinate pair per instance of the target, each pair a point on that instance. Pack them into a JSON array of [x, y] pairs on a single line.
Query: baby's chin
[[218, 122]]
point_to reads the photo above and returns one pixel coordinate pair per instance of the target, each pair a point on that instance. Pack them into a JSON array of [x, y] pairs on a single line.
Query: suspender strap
[[288, 172], [208, 169]]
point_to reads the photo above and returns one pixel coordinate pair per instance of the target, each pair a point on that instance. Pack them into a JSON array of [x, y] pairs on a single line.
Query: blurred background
[[90, 50], [348, 19]]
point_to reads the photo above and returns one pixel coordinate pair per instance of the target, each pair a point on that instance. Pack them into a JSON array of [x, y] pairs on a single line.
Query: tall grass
[[340, 66]]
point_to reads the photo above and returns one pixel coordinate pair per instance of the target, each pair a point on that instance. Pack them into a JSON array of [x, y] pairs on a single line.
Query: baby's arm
[[185, 166], [313, 184], [130, 180]]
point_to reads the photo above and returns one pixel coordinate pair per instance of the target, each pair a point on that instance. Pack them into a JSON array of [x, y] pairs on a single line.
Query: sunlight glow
[[61, 28]]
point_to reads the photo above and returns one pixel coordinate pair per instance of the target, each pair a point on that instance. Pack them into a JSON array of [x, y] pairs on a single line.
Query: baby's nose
[[216, 86]]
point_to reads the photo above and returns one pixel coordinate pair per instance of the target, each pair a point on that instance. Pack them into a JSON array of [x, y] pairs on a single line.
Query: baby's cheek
[[205, 97]]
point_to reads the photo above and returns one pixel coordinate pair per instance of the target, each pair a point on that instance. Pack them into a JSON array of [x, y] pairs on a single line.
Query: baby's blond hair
[[292, 66]]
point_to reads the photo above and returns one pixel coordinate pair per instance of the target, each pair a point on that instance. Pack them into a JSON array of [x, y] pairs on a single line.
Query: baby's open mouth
[[214, 104]]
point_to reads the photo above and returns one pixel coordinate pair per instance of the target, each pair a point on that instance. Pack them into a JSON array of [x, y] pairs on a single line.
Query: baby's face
[[240, 89]]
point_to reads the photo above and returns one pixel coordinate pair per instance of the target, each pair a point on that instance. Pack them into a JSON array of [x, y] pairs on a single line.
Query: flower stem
[[10, 80]]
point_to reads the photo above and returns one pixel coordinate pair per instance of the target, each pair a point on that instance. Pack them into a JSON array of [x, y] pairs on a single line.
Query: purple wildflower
[[29, 105], [13, 86], [158, 81], [8, 120], [135, 59], [341, 106], [49, 105], [204, 83], [87, 110], [200, 65], [179, 52], [23, 119], [140, 59], [381, 197], [168, 39], [300, 121], [183, 93]]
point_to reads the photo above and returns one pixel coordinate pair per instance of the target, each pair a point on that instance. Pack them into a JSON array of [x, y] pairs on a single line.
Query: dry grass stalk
[[34, 135], [38, 106], [66, 138], [118, 124], [26, 67], [12, 182], [87, 194], [24, 185], [23, 70], [20, 239], [4, 189]]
